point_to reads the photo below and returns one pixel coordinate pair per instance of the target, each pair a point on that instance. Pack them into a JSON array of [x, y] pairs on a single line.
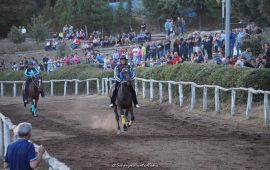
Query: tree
[[39, 29], [16, 12], [15, 35]]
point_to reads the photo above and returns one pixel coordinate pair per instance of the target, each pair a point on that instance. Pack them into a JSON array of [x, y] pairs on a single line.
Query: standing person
[[167, 27], [143, 26], [181, 25], [45, 63], [21, 154], [232, 42], [240, 36]]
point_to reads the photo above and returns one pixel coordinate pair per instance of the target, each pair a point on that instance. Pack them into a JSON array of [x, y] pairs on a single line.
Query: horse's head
[[38, 83], [125, 74]]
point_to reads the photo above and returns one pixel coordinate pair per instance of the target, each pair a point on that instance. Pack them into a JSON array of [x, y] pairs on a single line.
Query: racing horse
[[123, 101], [35, 87]]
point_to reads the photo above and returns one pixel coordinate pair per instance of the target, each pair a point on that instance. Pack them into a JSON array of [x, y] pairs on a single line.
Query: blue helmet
[[30, 63]]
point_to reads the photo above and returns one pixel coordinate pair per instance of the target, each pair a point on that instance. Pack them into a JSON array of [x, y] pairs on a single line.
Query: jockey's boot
[[123, 118]]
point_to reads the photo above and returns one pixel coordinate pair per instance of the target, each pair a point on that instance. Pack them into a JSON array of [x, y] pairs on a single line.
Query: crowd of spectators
[[176, 48]]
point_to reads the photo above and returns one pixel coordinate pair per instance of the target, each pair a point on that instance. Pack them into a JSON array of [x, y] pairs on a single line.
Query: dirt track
[[81, 132]]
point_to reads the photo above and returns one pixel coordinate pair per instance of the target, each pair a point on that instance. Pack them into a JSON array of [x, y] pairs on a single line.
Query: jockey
[[29, 73], [117, 70]]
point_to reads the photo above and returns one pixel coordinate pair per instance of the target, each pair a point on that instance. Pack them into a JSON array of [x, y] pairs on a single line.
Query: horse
[[123, 102], [35, 87]]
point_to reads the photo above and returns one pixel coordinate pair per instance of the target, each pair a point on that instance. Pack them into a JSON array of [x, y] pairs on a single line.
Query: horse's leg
[[117, 119], [132, 117], [32, 107], [123, 118], [35, 110], [126, 114]]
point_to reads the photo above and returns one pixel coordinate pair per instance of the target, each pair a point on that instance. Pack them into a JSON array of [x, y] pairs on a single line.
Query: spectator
[[232, 42], [183, 50], [200, 58], [266, 62], [177, 59], [23, 30], [181, 25], [217, 59], [246, 62], [240, 36], [100, 58], [247, 54], [167, 27], [76, 43], [21, 154], [143, 26], [167, 45]]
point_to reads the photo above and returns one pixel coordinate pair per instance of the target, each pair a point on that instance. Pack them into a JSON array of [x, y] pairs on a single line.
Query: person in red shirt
[[177, 59]]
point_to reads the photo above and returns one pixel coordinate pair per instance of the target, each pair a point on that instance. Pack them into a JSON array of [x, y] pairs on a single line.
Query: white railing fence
[[7, 136], [107, 82]]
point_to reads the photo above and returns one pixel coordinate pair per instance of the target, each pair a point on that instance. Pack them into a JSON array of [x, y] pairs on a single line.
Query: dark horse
[[123, 101], [35, 87]]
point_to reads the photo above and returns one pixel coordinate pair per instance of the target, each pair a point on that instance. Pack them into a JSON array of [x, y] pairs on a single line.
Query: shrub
[[62, 49], [255, 42], [15, 35]]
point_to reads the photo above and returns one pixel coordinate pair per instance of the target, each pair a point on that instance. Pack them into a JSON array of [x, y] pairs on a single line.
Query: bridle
[[35, 84]]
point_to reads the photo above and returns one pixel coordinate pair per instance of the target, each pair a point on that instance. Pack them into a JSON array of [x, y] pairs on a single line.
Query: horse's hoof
[[130, 123], [118, 132]]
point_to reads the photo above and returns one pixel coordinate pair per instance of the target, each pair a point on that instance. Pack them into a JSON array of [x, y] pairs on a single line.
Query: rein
[[33, 81]]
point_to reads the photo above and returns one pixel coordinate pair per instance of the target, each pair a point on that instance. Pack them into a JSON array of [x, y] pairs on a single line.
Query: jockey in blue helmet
[[117, 71], [29, 74]]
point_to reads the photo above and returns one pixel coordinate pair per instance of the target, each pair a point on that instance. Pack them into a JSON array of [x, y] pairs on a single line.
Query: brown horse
[[123, 102], [35, 87]]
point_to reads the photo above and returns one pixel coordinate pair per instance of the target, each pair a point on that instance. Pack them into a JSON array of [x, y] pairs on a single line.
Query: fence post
[[266, 109], [110, 83], [106, 86], [98, 88], [160, 92], [65, 88], [14, 89], [102, 86], [233, 102], [249, 104], [87, 87], [151, 90], [76, 87], [170, 92], [51, 87], [217, 100], [205, 102], [193, 97], [136, 87], [1, 139], [2, 89], [6, 137], [181, 95], [143, 89]]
